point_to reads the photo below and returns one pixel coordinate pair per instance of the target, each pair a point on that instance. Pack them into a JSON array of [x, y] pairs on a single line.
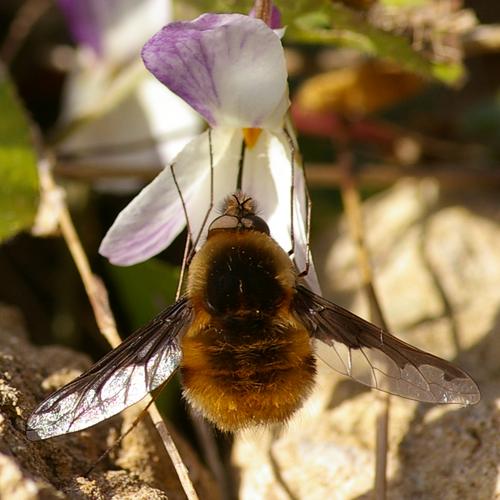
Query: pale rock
[[436, 260]]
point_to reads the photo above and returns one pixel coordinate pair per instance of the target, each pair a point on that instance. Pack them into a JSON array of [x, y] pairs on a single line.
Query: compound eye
[[224, 222], [255, 223]]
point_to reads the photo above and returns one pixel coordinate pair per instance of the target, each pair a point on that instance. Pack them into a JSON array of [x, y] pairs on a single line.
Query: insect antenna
[[191, 243], [211, 204], [122, 436], [189, 237]]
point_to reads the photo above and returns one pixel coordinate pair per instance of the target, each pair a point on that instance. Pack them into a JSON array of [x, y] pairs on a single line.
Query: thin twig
[[98, 297], [173, 453], [324, 175], [94, 287], [20, 27], [275, 466], [352, 206], [263, 9], [481, 39], [206, 438]]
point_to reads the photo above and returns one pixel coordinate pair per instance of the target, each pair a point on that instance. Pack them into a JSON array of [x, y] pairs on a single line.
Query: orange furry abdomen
[[260, 372]]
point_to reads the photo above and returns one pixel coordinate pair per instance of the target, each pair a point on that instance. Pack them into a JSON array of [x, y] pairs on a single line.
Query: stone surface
[[55, 468], [436, 259]]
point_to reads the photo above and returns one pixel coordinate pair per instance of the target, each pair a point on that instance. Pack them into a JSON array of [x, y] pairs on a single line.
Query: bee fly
[[244, 336]]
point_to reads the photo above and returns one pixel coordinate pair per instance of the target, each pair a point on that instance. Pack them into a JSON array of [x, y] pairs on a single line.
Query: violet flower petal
[[229, 67], [114, 29], [83, 22]]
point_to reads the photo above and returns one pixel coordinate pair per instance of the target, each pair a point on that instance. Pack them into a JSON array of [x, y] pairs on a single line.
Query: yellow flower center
[[250, 135]]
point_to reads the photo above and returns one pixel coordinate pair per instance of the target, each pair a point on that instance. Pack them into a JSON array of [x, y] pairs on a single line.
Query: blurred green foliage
[[323, 22], [482, 122], [144, 289], [404, 3], [18, 164], [341, 26]]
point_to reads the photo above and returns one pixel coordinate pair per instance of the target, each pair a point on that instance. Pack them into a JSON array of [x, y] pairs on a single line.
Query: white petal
[[202, 209], [114, 29], [302, 253], [267, 177], [133, 24], [155, 216], [147, 129]]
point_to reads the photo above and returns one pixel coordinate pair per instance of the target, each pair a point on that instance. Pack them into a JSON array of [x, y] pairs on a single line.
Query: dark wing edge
[[374, 357], [143, 362]]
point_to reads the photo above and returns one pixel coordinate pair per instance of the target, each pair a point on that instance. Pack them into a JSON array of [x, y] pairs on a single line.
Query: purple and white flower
[[115, 101], [231, 69]]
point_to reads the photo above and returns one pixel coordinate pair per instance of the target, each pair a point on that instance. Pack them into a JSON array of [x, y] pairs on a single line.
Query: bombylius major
[[245, 336]]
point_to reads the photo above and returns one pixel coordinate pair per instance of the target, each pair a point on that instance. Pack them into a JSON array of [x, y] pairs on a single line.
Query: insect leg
[[186, 258], [305, 271], [291, 252], [211, 204]]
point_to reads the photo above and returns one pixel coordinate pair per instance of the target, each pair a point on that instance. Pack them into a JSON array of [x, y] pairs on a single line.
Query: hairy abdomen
[[247, 371]]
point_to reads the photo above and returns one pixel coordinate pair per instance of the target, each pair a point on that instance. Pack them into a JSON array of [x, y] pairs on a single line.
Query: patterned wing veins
[[143, 362]]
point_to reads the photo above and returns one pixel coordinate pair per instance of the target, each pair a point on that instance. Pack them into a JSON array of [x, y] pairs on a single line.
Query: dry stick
[[104, 317], [263, 10], [450, 176], [26, 17], [352, 206], [206, 439]]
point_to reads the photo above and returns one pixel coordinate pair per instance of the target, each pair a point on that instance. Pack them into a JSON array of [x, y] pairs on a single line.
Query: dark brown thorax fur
[[246, 358]]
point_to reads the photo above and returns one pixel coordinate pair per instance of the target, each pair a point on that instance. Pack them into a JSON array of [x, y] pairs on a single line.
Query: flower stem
[[263, 9], [25, 18], [352, 206]]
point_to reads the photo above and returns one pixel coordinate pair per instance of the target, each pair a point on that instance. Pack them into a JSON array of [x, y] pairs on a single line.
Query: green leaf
[[327, 23], [18, 164], [404, 3], [451, 73], [338, 25], [145, 289]]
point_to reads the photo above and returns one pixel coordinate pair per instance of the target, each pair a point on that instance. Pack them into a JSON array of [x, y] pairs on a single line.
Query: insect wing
[[365, 352], [143, 362]]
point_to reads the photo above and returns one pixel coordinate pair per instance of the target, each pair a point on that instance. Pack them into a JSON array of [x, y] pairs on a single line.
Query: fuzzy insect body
[[245, 337]]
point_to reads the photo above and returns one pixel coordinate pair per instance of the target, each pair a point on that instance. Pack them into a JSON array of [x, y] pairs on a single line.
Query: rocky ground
[[55, 468]]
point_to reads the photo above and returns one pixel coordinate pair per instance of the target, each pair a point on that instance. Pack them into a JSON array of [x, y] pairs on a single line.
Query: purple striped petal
[[114, 28], [229, 67]]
